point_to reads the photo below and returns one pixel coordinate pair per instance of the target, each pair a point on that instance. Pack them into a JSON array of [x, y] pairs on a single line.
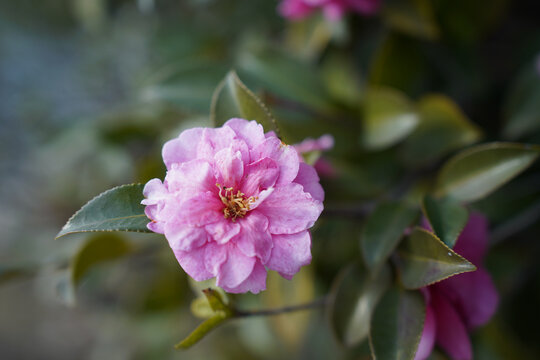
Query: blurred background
[[91, 89]]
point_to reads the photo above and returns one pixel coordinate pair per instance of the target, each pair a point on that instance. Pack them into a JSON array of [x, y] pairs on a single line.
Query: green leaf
[[99, 248], [383, 230], [201, 330], [476, 172], [423, 259], [117, 209], [522, 106], [447, 218], [397, 325], [442, 128], [233, 99], [388, 117], [413, 17], [355, 296]]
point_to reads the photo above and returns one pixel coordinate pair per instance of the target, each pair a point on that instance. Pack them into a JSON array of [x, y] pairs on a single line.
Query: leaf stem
[[287, 309]]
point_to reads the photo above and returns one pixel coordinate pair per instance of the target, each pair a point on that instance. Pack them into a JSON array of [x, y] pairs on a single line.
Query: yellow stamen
[[236, 205]]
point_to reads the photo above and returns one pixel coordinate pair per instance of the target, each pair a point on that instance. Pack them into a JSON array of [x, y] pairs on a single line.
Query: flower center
[[236, 205]]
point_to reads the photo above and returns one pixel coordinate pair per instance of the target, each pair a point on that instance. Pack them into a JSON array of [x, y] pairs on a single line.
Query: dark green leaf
[[117, 209], [414, 17], [383, 230], [356, 294], [423, 259], [476, 172], [397, 324], [442, 128], [388, 117], [97, 249], [233, 99], [447, 218]]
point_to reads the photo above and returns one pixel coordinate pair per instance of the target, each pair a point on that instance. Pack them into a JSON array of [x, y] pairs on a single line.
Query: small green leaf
[[476, 172], [356, 294], [447, 218], [99, 248], [117, 209], [442, 128], [388, 117], [423, 259], [397, 325], [383, 230], [233, 99], [414, 17], [201, 330]]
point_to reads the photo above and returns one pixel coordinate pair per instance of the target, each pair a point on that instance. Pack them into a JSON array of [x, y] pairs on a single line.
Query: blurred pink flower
[[332, 9], [459, 304], [235, 201], [322, 165]]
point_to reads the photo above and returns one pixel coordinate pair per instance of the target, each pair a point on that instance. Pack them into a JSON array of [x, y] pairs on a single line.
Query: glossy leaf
[[447, 218], [413, 17], [233, 99], [98, 249], [423, 259], [397, 324], [383, 230], [442, 128], [476, 172], [388, 117], [117, 209], [356, 294]]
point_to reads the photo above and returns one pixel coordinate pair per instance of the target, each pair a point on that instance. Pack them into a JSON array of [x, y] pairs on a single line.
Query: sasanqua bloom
[[332, 9], [234, 203], [459, 304]]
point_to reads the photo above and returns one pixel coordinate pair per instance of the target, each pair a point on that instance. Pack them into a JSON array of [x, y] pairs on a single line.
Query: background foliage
[[90, 90]]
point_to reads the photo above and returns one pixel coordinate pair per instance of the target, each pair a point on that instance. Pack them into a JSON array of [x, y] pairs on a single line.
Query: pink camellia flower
[[326, 142], [332, 9], [235, 202], [459, 304]]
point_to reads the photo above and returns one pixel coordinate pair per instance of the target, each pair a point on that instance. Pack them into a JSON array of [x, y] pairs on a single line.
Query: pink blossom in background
[[234, 203], [322, 165], [332, 9], [459, 304]]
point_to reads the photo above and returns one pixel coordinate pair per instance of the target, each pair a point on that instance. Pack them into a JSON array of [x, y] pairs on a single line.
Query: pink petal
[[472, 243], [235, 269], [183, 148], [325, 142], [290, 210], [249, 131], [199, 210], [215, 255], [290, 253], [255, 282], [451, 335], [254, 238], [259, 176], [191, 177], [294, 9], [334, 11], [284, 155], [222, 231], [183, 237], [229, 166], [473, 294], [427, 341], [154, 191], [213, 140], [193, 263], [308, 178]]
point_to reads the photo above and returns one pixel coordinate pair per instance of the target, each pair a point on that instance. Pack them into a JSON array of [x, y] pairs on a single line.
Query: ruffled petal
[[451, 335], [290, 210], [290, 253], [183, 148], [473, 294], [249, 131], [191, 177], [427, 341], [223, 231], [235, 269], [284, 155], [254, 238], [199, 210], [229, 167], [308, 178], [193, 263], [213, 140], [259, 176], [215, 255], [255, 282], [183, 237]]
